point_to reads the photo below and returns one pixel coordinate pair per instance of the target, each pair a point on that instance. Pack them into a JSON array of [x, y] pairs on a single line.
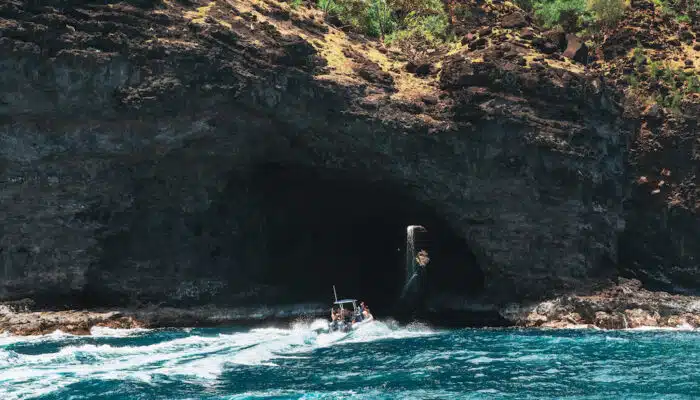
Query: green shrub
[[525, 5], [607, 12], [371, 17], [420, 7], [655, 68], [683, 19], [328, 6], [632, 80], [638, 55], [420, 33], [693, 84], [380, 19], [565, 13]]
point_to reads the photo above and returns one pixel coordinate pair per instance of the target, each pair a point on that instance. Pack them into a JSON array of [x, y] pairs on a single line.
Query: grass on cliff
[[664, 82]]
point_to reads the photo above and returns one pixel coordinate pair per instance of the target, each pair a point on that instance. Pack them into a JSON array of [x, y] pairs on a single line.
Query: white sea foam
[[194, 358], [102, 331], [682, 327]]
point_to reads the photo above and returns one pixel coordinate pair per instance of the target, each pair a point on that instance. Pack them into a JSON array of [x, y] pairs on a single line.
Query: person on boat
[[366, 314], [358, 313]]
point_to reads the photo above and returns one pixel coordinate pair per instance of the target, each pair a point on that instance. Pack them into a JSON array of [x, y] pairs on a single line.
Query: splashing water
[[377, 361]]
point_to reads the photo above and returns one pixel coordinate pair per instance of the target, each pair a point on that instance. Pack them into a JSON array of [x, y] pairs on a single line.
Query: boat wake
[[40, 365]]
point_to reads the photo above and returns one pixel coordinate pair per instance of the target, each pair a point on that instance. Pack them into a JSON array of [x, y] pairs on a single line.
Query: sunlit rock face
[[149, 160]]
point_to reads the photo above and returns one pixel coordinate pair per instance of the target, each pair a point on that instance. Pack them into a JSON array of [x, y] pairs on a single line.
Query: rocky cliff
[[241, 153]]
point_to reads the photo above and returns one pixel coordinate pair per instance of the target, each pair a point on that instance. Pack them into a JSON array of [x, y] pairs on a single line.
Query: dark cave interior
[[328, 227], [278, 233]]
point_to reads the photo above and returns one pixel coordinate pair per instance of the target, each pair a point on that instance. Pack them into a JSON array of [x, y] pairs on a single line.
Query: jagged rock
[[557, 37], [299, 53], [468, 38], [652, 111], [673, 42], [369, 70], [409, 107], [527, 33], [424, 69], [640, 318], [576, 49], [690, 108], [621, 306], [477, 44], [514, 20], [610, 321], [485, 31], [642, 5], [686, 36], [373, 73], [430, 100]]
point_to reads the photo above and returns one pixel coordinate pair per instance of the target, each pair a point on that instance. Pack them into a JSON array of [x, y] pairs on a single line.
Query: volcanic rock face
[[180, 156], [623, 306]]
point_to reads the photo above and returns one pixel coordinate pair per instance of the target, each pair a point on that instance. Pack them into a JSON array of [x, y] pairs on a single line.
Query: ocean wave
[[682, 327], [103, 331], [196, 358]]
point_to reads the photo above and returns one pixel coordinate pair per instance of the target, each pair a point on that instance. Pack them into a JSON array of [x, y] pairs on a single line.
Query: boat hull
[[347, 326]]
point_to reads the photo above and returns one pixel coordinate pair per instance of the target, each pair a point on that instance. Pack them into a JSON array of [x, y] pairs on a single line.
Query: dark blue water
[[379, 361]]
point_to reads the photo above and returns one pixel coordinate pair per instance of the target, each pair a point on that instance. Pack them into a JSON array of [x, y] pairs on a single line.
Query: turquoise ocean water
[[379, 361]]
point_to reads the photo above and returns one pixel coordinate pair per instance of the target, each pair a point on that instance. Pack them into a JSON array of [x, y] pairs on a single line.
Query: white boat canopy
[[345, 301]]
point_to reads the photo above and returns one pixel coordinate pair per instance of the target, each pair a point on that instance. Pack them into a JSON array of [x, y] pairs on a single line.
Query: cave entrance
[[324, 227]]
